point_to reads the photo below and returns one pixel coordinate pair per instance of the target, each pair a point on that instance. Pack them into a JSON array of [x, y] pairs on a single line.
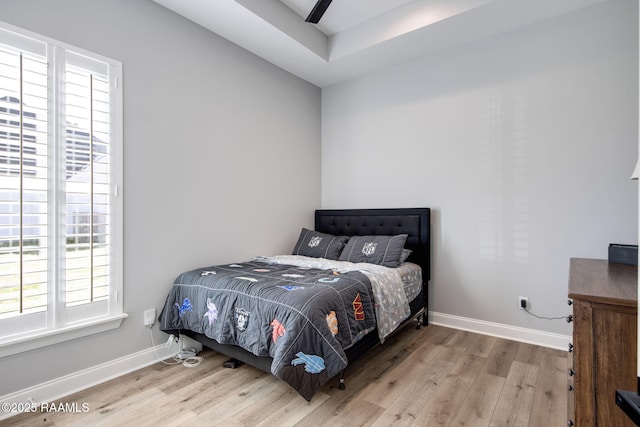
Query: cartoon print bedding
[[302, 312]]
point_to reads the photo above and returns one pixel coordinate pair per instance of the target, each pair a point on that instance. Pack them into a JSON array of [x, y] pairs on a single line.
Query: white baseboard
[[515, 333], [64, 386]]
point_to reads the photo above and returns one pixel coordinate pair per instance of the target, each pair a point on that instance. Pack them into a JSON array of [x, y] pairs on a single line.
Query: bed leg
[[341, 385], [422, 320]]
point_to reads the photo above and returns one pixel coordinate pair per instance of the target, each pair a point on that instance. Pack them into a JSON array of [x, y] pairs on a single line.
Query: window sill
[[29, 341]]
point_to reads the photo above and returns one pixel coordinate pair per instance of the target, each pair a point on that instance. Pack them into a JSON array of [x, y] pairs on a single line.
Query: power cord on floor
[[187, 357], [568, 318]]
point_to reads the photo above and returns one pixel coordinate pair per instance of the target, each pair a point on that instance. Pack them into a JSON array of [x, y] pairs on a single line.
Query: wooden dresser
[[603, 356]]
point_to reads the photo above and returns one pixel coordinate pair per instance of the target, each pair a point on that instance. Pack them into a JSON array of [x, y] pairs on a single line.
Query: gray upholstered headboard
[[416, 222]]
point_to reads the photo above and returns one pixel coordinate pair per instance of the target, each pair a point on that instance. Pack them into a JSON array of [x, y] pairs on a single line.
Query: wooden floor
[[430, 377]]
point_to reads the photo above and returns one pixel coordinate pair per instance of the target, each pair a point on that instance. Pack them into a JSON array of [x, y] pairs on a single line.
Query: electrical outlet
[[523, 302], [150, 317]]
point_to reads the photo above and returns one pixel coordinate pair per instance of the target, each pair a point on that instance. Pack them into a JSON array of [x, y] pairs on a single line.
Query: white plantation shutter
[[24, 174], [87, 184], [60, 155]]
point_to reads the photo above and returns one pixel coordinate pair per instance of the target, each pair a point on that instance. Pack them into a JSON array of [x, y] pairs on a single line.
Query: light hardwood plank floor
[[435, 376]]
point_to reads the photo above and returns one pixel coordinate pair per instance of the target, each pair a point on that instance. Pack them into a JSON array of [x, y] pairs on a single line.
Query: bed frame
[[416, 222]]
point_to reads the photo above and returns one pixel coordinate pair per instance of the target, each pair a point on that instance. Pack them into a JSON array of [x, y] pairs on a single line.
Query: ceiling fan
[[318, 10]]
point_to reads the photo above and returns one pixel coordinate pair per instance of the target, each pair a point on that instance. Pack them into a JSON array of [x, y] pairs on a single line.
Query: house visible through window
[[60, 170]]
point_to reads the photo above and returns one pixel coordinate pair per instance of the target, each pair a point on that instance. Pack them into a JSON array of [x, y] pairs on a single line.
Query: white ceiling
[[355, 37]]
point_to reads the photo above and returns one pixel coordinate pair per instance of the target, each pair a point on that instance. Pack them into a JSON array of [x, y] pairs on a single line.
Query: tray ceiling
[[355, 37]]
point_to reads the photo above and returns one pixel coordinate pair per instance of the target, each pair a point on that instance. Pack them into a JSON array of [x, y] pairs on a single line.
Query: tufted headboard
[[416, 222]]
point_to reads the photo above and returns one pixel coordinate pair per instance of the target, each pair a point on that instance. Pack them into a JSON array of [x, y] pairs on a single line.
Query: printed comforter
[[302, 312]]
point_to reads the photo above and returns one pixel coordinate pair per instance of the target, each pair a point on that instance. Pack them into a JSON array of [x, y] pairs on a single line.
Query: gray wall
[[523, 144], [212, 138]]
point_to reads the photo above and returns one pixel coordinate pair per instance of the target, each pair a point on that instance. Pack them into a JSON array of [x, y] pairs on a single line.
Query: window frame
[[59, 328]]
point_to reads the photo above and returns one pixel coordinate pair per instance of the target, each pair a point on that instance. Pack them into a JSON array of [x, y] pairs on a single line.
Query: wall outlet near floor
[[523, 302], [150, 317]]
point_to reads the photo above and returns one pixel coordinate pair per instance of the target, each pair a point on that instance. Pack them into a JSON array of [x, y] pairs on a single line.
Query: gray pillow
[[404, 255], [381, 250], [319, 245]]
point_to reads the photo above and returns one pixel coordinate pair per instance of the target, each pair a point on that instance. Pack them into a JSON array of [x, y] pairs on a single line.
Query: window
[[60, 213]]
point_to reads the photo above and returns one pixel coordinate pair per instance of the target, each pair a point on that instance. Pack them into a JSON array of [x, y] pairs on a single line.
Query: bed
[[305, 317]]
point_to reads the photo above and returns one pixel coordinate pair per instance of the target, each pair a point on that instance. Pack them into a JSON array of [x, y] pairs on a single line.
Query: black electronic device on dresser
[[623, 254]]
